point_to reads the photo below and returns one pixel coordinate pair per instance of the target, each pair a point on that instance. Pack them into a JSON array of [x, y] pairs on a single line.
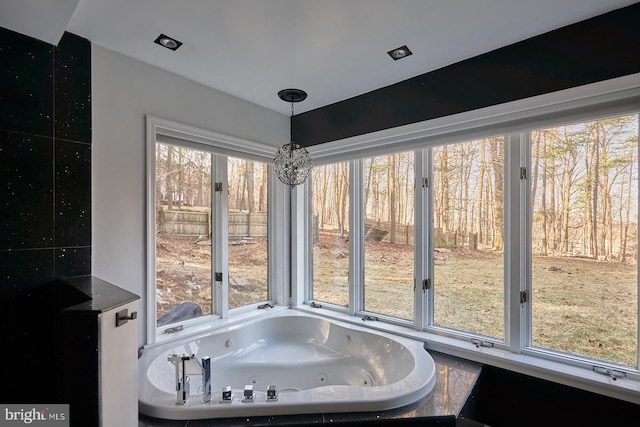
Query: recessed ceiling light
[[400, 52], [168, 42]]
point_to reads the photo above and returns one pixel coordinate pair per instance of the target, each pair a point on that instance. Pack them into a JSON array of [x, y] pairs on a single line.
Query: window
[[330, 222], [389, 184], [468, 236], [584, 239], [525, 242], [248, 232], [209, 224], [183, 234]]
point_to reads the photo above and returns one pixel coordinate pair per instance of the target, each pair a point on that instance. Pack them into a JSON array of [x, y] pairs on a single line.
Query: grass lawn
[[578, 305]]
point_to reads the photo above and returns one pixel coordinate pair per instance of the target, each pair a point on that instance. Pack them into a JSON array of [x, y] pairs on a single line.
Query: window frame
[[526, 329], [511, 257], [221, 146], [514, 120]]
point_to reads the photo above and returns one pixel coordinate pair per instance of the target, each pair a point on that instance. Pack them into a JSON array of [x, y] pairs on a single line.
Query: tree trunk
[[169, 180], [545, 245], [444, 192], [392, 196], [337, 202], [478, 207], [344, 192], [263, 201], [498, 174], [596, 180]]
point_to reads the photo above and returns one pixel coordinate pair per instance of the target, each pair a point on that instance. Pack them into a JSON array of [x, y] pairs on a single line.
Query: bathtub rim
[[421, 378]]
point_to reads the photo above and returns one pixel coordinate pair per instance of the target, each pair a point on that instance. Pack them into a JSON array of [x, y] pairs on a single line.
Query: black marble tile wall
[[22, 271], [45, 191], [72, 194], [45, 149], [73, 261], [72, 84], [26, 193], [26, 86]]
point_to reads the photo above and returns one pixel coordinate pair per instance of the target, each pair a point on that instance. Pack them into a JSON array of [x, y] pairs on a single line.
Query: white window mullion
[[308, 239], [299, 258], [420, 239], [356, 238], [516, 282], [277, 254], [427, 223], [526, 212], [151, 233], [220, 240]]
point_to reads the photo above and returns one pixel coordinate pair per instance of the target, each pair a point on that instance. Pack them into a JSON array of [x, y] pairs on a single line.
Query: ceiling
[[332, 49]]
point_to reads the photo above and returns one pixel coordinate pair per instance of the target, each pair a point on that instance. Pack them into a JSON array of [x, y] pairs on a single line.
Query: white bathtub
[[317, 365]]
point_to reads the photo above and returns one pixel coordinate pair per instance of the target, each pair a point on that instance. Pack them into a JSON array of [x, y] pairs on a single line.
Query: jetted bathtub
[[317, 365]]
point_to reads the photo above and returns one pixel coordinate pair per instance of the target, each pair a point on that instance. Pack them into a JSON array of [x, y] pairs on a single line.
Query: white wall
[[124, 91]]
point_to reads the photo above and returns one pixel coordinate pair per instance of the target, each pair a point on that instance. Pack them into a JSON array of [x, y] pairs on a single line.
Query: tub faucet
[[206, 379], [182, 379], [204, 365]]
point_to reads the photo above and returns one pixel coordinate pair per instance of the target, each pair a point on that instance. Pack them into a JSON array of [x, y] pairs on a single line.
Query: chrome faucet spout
[[182, 379], [206, 379]]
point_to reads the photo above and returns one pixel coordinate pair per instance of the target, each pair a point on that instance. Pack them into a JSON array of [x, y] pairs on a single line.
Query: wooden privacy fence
[[380, 231], [469, 240], [190, 224], [244, 224], [185, 224]]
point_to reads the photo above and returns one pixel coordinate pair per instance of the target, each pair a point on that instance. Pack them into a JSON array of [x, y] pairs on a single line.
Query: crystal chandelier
[[292, 162]]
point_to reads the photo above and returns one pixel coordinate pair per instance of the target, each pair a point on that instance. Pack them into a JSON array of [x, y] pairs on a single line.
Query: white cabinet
[[100, 355], [118, 372]]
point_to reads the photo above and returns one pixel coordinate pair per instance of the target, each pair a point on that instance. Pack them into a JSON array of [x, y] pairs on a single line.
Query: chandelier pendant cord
[[292, 162]]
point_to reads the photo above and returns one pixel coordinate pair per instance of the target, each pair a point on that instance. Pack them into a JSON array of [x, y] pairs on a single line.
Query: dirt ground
[[183, 273], [578, 305]]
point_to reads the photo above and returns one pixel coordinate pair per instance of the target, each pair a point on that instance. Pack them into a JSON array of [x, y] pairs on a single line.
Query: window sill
[[627, 389], [202, 325]]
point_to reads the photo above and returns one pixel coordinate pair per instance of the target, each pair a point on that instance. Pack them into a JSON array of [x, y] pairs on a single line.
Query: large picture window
[[527, 242], [584, 228]]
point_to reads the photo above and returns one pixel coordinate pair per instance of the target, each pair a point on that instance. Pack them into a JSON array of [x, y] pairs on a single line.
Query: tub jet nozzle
[[227, 395], [248, 394], [272, 393]]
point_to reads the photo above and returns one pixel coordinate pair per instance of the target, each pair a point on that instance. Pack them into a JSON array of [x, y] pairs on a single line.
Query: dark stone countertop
[[96, 295], [455, 379]]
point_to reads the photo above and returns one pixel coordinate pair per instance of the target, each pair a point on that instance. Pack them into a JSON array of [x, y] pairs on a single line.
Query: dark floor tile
[[26, 193], [144, 421], [26, 84]]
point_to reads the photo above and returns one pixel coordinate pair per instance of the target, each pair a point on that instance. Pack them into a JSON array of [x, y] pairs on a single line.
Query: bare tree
[[497, 159], [391, 185]]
